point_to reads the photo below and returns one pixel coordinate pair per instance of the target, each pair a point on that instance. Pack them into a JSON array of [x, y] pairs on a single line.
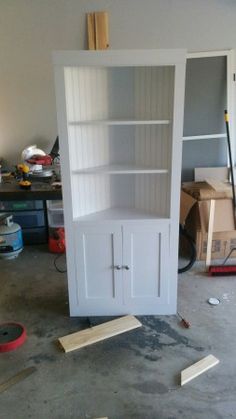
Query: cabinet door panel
[[146, 281], [99, 284]]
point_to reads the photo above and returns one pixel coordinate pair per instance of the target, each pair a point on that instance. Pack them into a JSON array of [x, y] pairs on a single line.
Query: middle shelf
[[123, 121], [119, 169]]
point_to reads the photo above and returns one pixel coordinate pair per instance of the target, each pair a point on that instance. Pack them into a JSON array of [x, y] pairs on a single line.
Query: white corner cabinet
[[120, 121]]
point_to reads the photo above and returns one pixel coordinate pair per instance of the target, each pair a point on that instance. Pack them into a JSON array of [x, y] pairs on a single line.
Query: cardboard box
[[194, 214], [222, 243]]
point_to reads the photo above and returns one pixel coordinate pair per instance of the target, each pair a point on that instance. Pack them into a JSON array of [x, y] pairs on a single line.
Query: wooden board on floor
[[198, 368], [17, 378], [97, 333]]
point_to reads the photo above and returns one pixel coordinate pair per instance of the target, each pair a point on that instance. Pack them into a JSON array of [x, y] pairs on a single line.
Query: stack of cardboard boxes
[[194, 213]]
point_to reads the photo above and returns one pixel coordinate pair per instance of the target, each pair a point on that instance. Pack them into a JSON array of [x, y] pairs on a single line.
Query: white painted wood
[[204, 137], [205, 54], [121, 125], [146, 268], [99, 282], [119, 169], [122, 58], [231, 97], [121, 214], [121, 122]]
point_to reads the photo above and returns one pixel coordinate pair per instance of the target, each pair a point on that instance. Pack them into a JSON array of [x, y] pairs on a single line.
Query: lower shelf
[[120, 214]]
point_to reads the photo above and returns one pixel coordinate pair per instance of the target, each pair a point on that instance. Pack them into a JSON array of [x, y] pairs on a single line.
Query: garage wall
[[31, 29]]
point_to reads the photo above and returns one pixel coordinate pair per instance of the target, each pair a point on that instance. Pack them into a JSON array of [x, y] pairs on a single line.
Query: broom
[[223, 269]]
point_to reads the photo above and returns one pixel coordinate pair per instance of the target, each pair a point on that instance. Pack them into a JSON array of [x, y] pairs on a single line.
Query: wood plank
[[217, 185], [97, 333], [101, 30], [210, 232], [91, 30], [198, 368], [217, 173], [17, 378]]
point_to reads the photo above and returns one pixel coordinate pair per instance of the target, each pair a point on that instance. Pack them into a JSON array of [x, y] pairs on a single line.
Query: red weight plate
[[12, 335]]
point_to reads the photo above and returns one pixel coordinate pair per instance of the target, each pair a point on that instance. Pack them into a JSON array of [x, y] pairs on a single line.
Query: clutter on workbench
[[22, 173], [11, 243], [38, 161]]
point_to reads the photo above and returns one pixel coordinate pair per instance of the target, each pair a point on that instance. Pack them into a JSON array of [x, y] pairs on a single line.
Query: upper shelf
[[121, 122], [114, 169]]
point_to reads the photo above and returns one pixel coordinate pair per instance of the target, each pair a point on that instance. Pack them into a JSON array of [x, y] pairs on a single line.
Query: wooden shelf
[[118, 213], [116, 169], [121, 122]]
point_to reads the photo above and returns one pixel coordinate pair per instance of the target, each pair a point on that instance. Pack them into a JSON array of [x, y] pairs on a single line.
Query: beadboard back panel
[[94, 98], [100, 93]]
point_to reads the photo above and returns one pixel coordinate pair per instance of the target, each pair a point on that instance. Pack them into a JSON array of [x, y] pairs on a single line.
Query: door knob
[[117, 267], [126, 267]]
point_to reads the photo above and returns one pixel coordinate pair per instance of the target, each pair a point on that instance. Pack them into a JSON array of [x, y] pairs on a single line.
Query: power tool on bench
[[23, 173], [39, 163]]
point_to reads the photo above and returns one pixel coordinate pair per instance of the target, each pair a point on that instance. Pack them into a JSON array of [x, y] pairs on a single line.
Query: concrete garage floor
[[131, 376]]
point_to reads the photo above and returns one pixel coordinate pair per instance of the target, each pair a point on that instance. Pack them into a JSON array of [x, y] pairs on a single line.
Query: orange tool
[[184, 322]]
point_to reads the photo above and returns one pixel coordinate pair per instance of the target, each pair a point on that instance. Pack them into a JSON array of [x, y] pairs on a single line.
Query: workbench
[[10, 191], [40, 191]]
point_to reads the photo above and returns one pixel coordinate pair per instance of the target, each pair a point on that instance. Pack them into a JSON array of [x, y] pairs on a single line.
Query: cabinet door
[[99, 270], [146, 268]]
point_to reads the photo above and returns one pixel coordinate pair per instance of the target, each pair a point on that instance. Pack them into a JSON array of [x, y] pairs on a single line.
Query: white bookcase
[[120, 119]]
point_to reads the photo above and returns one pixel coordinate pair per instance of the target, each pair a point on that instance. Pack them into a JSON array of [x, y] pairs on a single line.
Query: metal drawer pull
[[117, 267], [126, 267]]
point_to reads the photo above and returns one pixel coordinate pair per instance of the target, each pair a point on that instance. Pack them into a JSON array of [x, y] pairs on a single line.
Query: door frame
[[231, 94]]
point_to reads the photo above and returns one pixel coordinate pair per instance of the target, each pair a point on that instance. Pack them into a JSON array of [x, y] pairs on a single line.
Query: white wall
[[31, 29]]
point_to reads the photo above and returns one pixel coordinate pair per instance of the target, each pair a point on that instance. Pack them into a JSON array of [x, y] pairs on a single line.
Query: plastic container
[[55, 213], [21, 205], [55, 205]]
